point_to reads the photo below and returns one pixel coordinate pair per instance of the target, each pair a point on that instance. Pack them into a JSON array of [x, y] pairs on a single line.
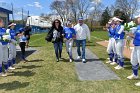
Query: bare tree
[[129, 7]]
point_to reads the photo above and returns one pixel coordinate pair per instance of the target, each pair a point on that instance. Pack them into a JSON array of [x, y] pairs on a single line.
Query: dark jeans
[[22, 46], [58, 49], [79, 43]]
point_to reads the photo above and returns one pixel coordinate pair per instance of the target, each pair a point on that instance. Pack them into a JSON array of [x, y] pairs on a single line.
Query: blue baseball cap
[[21, 30], [80, 18]]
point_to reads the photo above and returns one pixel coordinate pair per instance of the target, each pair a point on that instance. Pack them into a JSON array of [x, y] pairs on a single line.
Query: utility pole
[[12, 11]]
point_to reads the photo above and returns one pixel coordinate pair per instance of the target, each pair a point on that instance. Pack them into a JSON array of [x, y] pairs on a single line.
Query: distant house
[[4, 14]]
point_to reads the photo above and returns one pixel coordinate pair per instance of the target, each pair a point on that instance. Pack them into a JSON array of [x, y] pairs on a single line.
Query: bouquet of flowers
[[6, 38], [129, 27]]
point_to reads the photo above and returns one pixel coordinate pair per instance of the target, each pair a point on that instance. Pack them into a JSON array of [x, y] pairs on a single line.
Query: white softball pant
[[119, 49], [135, 56], [12, 51], [5, 53], [111, 46], [69, 45]]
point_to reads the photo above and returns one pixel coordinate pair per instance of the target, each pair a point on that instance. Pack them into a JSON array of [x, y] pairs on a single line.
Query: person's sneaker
[[132, 77], [57, 60], [108, 62], [11, 68], [119, 67], [83, 60], [116, 66], [70, 60], [113, 63], [3, 74], [137, 84], [108, 58], [78, 58]]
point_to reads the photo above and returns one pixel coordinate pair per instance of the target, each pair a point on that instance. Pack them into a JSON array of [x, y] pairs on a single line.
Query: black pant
[[22, 46]]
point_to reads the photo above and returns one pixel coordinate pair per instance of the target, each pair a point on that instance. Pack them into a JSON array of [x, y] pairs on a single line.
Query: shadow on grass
[[35, 46], [36, 60], [13, 85], [29, 67], [25, 73], [27, 53]]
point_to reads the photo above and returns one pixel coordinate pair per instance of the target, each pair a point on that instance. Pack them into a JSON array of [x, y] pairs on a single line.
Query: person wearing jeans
[[82, 32], [57, 38], [69, 35]]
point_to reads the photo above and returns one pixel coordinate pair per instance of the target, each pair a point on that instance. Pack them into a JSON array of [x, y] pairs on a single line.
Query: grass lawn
[[43, 75]]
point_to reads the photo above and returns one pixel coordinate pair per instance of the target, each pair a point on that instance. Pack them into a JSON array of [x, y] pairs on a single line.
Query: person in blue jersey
[[119, 37], [4, 52], [69, 36], [12, 45], [111, 50], [22, 43], [135, 55]]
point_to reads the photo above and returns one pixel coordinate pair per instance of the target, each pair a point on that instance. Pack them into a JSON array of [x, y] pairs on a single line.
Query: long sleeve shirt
[[82, 32]]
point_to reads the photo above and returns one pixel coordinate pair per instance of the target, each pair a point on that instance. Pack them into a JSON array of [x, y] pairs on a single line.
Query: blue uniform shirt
[[111, 32], [12, 34], [117, 35], [2, 32], [136, 40], [69, 32]]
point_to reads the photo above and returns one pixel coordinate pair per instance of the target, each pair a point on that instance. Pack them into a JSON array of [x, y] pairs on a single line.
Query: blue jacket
[[111, 32]]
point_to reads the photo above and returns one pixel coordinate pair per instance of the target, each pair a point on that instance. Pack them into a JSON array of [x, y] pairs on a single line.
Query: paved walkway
[[94, 69]]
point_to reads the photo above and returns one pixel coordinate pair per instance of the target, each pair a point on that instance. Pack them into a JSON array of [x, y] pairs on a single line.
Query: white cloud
[[30, 5], [35, 4], [38, 5]]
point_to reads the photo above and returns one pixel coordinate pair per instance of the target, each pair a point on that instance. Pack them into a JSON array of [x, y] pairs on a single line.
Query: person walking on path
[[56, 33], [82, 32], [69, 36]]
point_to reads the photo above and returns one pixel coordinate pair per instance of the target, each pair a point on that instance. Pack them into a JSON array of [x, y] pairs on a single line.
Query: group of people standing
[[8, 42], [68, 34], [116, 46]]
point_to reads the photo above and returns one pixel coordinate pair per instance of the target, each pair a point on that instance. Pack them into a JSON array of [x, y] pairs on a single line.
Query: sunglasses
[[56, 22]]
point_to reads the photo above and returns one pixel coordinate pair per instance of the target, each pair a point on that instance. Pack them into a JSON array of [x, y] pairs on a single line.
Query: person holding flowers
[[135, 56], [5, 39], [12, 45]]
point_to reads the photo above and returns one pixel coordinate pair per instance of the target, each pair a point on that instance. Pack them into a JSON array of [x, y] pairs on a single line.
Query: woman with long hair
[[57, 38]]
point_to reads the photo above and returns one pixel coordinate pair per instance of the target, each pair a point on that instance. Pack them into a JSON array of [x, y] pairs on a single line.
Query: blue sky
[[36, 7]]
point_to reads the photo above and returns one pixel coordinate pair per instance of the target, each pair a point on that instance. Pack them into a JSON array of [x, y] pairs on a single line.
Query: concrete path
[[94, 69]]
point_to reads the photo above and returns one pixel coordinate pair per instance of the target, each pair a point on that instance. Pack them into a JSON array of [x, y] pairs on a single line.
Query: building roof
[[5, 10]]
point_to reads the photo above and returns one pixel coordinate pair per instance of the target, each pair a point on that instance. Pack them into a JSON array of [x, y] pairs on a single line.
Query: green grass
[[43, 75]]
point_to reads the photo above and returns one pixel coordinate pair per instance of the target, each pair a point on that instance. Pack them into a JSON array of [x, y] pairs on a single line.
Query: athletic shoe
[[119, 67], [57, 60], [113, 63], [3, 74], [108, 58], [83, 60], [78, 58], [132, 77], [70, 60], [116, 66], [137, 84], [108, 62], [11, 68]]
